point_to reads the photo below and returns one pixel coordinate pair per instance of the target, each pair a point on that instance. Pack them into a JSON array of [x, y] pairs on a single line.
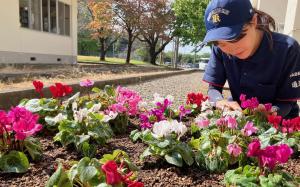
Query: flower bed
[[189, 145]]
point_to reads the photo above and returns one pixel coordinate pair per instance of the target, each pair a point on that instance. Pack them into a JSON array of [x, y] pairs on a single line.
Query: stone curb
[[12, 98]]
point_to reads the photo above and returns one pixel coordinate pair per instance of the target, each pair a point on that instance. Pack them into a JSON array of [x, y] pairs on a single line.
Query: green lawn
[[95, 59]]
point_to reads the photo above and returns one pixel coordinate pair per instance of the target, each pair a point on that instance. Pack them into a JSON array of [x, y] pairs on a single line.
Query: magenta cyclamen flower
[[249, 103], [271, 155], [234, 149], [5, 122], [24, 123], [183, 112], [254, 148], [249, 129], [86, 83], [231, 122]]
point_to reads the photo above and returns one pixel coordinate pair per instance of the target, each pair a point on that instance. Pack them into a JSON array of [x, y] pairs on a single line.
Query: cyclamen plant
[[16, 130], [112, 170], [266, 174], [164, 142], [127, 102]]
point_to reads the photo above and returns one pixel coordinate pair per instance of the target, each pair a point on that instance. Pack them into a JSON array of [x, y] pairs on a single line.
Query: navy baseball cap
[[224, 19]]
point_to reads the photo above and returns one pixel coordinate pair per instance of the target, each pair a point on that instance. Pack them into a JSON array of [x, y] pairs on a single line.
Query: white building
[[285, 12], [38, 31]]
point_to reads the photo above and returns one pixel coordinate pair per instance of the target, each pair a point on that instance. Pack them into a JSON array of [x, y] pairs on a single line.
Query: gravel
[[177, 86]]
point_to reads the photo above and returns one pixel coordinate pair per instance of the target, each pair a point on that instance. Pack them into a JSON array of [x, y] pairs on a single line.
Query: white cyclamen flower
[[59, 118], [234, 114], [80, 115], [157, 98], [111, 115], [74, 106], [170, 98], [206, 105], [142, 104], [165, 128], [95, 108]]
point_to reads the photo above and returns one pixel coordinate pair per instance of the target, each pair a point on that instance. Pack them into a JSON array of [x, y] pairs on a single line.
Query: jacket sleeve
[[215, 71]]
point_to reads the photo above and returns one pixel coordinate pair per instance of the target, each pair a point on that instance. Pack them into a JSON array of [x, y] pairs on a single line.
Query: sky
[[186, 49]]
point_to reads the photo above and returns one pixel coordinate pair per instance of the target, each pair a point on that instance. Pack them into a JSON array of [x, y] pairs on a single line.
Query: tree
[[189, 25], [102, 24], [127, 12], [156, 22]]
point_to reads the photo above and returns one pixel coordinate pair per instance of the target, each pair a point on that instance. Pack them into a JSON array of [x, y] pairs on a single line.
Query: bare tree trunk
[[102, 49], [152, 55], [129, 47]]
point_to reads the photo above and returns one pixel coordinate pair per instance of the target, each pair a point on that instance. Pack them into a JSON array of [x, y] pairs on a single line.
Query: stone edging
[[12, 98]]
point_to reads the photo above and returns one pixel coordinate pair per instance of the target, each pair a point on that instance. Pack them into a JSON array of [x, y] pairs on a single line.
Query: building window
[[35, 15], [64, 19], [45, 15], [53, 16], [24, 13]]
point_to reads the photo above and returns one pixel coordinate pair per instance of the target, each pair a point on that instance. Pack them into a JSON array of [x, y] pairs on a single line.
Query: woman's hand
[[232, 105]]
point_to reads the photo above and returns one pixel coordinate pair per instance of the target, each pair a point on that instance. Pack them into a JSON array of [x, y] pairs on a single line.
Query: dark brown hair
[[266, 23]]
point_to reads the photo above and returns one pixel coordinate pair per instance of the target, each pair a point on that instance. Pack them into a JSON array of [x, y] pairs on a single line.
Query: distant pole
[[176, 49]]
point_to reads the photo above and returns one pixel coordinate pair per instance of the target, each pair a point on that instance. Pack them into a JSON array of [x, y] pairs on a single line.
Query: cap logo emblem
[[216, 18], [214, 15]]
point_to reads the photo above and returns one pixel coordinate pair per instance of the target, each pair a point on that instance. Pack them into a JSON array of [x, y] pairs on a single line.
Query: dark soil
[[153, 171]]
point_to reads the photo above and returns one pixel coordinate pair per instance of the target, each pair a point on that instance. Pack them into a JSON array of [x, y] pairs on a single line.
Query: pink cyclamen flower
[[231, 122], [234, 149], [221, 122], [203, 123], [249, 129], [86, 83]]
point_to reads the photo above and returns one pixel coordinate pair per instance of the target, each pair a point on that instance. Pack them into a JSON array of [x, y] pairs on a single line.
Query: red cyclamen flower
[[274, 120], [195, 98], [60, 90], [38, 85], [113, 177]]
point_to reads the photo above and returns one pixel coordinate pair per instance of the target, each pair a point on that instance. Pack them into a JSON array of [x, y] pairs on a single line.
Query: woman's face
[[246, 46]]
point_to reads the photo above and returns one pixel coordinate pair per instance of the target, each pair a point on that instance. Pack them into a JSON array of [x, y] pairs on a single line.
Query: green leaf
[[164, 143], [174, 158], [88, 173], [135, 135], [146, 153], [33, 147], [186, 153], [14, 162], [59, 179], [96, 90]]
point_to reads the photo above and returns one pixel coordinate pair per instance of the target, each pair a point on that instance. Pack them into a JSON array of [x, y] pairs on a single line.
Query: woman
[[254, 60]]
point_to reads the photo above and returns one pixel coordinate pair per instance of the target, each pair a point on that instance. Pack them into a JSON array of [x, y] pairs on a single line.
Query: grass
[[95, 59]]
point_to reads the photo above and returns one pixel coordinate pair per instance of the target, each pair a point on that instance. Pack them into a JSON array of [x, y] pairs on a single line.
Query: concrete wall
[[285, 12], [21, 45], [292, 21], [276, 8]]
